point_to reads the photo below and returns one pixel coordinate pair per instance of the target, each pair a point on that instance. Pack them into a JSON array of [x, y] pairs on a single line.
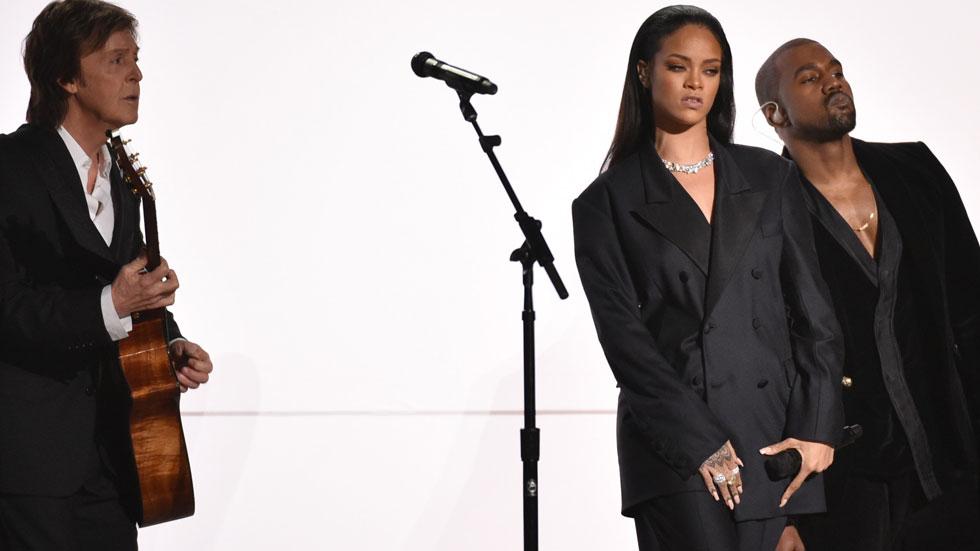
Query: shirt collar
[[82, 161]]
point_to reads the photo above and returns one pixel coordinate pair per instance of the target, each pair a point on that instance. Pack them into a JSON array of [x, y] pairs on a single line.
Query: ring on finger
[[720, 478]]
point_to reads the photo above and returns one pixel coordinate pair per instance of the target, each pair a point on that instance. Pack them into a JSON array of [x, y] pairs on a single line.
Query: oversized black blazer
[[62, 397], [693, 320], [941, 248]]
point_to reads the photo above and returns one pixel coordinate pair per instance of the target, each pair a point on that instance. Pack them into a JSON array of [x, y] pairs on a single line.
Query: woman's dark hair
[[62, 34], [635, 123]]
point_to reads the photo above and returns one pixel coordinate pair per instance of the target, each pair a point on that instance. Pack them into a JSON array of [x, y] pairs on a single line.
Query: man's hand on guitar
[[193, 364], [135, 289]]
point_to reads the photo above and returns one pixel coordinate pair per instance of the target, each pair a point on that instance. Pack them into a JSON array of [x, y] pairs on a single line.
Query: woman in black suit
[[698, 261]]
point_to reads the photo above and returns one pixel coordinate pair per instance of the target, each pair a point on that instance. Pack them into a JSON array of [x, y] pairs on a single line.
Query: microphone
[[426, 65], [787, 462]]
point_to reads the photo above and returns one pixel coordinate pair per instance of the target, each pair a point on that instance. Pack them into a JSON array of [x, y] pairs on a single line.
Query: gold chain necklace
[[866, 225]]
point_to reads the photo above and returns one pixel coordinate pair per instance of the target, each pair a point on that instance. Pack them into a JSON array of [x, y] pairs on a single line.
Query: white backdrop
[[342, 244]]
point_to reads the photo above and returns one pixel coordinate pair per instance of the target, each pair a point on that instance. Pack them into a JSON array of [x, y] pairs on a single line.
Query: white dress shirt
[[100, 212]]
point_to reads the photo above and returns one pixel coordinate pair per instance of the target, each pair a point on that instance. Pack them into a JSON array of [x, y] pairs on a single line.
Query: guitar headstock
[[135, 177], [133, 173]]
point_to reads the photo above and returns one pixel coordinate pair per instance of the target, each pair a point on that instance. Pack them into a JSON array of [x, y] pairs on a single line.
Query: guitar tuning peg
[[126, 142], [133, 157], [141, 171]]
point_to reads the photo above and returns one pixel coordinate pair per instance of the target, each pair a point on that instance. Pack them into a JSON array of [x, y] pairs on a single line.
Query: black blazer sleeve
[[676, 420], [47, 317], [34, 316], [962, 279], [815, 409]]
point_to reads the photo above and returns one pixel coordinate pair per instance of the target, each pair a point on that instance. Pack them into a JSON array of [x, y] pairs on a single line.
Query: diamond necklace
[[691, 168]]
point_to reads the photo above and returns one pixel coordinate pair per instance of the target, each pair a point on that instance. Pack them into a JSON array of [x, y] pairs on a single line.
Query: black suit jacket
[[942, 257], [63, 401], [693, 322]]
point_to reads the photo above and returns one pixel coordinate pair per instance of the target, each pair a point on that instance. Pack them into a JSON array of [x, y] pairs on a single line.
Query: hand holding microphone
[[818, 457], [787, 462]]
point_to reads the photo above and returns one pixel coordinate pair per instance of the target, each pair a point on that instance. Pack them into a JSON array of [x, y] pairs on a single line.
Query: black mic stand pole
[[534, 249]]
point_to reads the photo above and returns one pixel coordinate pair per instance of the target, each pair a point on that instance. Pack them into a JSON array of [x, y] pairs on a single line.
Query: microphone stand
[[534, 249]]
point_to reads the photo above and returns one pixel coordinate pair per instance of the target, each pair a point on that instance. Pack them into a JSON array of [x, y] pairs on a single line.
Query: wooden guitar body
[[166, 490]]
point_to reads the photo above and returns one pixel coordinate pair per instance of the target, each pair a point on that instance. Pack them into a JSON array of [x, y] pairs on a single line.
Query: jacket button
[[683, 276], [756, 273], [696, 380], [756, 323], [846, 382], [89, 391], [762, 383], [708, 328]]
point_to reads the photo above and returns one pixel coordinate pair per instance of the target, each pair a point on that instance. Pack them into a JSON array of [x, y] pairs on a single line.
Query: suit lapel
[[121, 246], [60, 176], [736, 213], [894, 189], [669, 211]]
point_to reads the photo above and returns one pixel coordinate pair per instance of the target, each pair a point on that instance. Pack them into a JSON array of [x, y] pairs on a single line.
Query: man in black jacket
[[71, 275], [902, 263]]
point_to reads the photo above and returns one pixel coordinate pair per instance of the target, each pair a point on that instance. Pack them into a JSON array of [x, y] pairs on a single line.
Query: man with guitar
[[73, 279]]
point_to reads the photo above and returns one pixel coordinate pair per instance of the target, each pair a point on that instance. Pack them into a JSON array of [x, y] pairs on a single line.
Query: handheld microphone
[[787, 462], [426, 65]]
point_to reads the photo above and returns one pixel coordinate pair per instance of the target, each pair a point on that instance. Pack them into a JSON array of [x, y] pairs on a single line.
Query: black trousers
[[885, 514], [694, 521], [90, 520]]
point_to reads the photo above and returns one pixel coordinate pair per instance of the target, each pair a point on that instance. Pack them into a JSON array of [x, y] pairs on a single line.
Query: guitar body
[[160, 452]]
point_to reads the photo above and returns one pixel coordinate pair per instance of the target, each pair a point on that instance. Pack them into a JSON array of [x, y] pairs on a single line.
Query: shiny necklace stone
[[691, 168]]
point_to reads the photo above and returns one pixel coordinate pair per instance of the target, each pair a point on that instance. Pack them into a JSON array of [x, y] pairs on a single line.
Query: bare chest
[[856, 204]]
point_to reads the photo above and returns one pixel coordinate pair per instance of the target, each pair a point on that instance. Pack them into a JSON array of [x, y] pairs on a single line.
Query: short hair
[[635, 121], [767, 79], [62, 34]]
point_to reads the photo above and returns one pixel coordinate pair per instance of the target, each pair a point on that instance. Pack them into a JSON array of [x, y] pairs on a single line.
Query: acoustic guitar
[[165, 487]]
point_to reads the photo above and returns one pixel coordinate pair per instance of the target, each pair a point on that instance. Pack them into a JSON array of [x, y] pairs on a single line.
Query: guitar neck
[[152, 237]]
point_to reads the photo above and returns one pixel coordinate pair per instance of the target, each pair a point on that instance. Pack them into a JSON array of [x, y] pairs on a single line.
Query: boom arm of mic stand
[[539, 250], [534, 239]]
